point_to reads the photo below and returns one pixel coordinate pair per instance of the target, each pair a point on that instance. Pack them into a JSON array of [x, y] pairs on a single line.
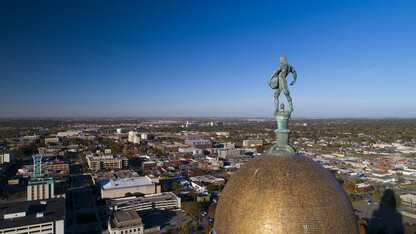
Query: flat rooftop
[[120, 202], [125, 216], [100, 176], [125, 219], [125, 183], [53, 210]]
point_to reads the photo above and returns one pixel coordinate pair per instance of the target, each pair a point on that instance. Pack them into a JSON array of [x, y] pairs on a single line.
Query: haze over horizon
[[354, 59]]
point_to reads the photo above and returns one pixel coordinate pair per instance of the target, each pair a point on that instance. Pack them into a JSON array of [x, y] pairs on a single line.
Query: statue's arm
[[274, 74], [294, 75]]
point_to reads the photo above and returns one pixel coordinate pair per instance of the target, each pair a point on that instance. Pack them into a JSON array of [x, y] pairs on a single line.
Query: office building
[[200, 144], [7, 156], [146, 203], [119, 187], [55, 167], [252, 143], [131, 136], [33, 217], [40, 187], [125, 222], [96, 163], [55, 140], [229, 153]]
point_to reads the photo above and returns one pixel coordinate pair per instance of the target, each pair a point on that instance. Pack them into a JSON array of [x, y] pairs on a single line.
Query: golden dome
[[284, 194]]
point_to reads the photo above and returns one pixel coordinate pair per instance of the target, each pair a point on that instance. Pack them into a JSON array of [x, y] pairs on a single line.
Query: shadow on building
[[386, 219]]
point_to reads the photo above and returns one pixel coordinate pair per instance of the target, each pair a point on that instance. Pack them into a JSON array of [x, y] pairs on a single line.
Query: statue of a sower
[[280, 82]]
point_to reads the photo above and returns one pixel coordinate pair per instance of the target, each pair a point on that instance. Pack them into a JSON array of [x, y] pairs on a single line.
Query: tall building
[[7, 156], [136, 140], [40, 187], [96, 163], [37, 165], [131, 136]]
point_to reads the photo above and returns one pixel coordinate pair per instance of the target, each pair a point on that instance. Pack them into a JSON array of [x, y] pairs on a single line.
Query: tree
[[191, 173], [349, 187], [398, 200], [115, 148], [259, 148], [7, 193], [376, 194], [185, 229], [175, 188], [192, 207], [358, 180], [211, 187], [207, 229], [362, 222], [192, 194], [128, 194], [361, 229]]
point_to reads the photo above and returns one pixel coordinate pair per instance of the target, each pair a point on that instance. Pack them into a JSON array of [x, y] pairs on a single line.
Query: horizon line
[[190, 117]]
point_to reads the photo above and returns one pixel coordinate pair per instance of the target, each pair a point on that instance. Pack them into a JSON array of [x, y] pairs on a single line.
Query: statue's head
[[282, 59]]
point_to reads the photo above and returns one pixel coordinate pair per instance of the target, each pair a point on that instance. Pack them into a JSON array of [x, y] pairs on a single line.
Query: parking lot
[[382, 216]]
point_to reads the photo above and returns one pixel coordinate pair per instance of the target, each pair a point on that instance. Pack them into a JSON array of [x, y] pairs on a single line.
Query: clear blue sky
[[206, 58]]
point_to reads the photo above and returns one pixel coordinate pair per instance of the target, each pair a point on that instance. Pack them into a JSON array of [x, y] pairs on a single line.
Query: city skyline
[[206, 59]]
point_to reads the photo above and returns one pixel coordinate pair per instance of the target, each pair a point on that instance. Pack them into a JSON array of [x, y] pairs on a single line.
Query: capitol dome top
[[284, 194]]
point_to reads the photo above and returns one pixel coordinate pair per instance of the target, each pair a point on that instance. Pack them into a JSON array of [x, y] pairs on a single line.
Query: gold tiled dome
[[284, 194]]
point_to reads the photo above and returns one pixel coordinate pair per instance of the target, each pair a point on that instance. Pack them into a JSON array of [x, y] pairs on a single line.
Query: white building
[[69, 133], [409, 198], [132, 134], [385, 179], [42, 188], [197, 142], [198, 187], [136, 140], [7, 156], [119, 188], [229, 153], [192, 150], [252, 142]]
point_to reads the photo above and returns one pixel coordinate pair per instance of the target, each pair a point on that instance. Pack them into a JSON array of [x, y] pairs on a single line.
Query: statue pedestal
[[282, 146]]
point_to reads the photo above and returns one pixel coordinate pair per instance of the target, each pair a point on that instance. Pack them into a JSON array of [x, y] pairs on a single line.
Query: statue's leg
[[276, 98], [289, 100]]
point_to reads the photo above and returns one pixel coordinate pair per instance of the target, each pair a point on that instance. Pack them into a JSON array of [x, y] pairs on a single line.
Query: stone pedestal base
[[282, 146]]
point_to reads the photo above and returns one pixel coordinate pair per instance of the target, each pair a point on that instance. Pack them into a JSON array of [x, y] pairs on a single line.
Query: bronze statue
[[280, 82]]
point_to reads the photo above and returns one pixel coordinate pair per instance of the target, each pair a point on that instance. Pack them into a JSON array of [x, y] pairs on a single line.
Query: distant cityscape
[[165, 175]]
